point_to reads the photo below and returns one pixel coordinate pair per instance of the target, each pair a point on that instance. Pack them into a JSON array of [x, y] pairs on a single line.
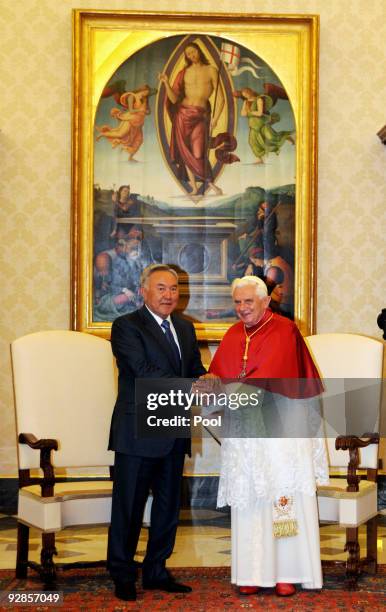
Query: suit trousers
[[133, 478]]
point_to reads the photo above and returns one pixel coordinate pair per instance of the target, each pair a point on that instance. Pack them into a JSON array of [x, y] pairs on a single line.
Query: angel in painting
[[263, 138], [131, 118]]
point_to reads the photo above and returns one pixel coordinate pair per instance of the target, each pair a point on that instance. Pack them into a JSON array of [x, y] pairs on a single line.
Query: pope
[[270, 483]]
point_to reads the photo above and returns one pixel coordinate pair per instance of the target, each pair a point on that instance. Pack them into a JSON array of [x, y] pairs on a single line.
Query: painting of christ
[[193, 147]]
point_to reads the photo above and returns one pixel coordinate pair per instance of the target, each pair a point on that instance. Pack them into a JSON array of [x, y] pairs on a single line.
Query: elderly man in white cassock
[[270, 482]]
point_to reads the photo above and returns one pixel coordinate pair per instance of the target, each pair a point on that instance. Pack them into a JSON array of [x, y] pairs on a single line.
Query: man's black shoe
[[168, 584], [125, 591]]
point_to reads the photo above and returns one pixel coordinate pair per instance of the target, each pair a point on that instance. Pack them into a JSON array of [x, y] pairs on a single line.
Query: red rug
[[91, 590]]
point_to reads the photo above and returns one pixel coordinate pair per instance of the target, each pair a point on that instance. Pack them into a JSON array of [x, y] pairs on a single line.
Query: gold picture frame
[[107, 44]]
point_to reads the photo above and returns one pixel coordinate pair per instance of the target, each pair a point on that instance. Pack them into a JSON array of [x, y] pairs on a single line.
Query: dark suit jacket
[[142, 351]]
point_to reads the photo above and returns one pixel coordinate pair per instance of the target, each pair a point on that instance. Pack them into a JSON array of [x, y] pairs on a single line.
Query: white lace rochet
[[255, 468]]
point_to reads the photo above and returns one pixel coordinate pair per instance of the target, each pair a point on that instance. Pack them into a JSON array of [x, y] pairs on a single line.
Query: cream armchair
[[348, 361], [65, 389]]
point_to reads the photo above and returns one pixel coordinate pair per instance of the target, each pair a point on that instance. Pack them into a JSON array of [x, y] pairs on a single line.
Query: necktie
[[170, 338]]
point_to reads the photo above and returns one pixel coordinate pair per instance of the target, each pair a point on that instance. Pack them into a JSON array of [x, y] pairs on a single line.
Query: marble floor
[[203, 539]]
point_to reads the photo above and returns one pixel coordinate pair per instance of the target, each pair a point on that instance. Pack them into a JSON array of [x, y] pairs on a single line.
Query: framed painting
[[194, 144]]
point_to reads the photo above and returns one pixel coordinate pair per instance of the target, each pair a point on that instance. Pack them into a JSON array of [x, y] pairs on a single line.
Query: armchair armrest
[[353, 444], [45, 446], [33, 442]]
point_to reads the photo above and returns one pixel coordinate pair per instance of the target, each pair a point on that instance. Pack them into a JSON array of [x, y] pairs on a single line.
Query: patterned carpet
[[91, 589]]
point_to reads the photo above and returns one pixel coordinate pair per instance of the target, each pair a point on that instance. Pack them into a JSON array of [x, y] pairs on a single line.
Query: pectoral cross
[[243, 372]]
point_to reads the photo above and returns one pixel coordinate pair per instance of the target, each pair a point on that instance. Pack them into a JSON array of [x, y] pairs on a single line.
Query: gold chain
[[243, 372]]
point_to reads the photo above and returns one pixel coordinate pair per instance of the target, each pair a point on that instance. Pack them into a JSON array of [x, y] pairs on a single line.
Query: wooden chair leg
[[48, 570], [22, 550], [353, 549], [371, 558]]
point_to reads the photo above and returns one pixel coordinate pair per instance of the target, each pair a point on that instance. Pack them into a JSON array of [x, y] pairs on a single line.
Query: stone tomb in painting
[[198, 247]]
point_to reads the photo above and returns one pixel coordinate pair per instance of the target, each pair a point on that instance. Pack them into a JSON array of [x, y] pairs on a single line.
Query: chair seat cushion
[[73, 503], [64, 491], [337, 489]]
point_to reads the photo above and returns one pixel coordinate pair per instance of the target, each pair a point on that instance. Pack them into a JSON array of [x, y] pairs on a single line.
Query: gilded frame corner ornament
[[102, 42]]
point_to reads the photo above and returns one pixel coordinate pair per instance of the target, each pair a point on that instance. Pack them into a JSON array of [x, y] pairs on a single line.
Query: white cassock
[[254, 473]]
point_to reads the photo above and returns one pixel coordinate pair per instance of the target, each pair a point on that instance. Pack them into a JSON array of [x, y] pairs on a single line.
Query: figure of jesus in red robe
[[192, 121]]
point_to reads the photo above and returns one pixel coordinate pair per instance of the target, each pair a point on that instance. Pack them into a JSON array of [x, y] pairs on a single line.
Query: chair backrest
[[348, 356], [65, 388]]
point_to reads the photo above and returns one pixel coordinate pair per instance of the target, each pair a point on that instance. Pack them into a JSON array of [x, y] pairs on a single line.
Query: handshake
[[207, 383]]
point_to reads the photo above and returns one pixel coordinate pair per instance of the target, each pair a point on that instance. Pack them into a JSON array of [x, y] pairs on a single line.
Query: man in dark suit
[[148, 343]]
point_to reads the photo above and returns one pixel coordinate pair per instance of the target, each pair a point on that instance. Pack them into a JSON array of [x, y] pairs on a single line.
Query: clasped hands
[[207, 383]]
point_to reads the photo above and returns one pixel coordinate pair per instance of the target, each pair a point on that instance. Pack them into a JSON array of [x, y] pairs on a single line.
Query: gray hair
[[149, 270], [255, 281]]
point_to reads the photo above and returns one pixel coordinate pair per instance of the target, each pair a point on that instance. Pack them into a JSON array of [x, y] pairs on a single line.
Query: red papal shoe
[[285, 589], [248, 590]]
